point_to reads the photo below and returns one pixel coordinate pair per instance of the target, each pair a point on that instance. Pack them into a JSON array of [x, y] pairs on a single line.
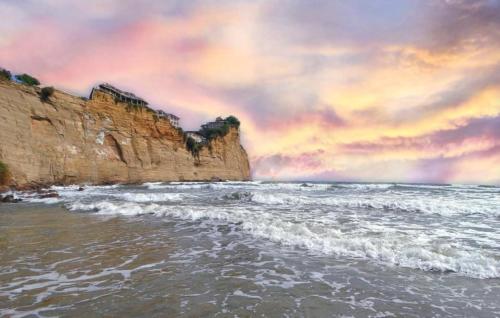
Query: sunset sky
[[375, 90]]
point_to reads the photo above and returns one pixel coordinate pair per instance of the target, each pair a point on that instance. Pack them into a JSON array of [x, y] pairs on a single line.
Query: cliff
[[70, 140]]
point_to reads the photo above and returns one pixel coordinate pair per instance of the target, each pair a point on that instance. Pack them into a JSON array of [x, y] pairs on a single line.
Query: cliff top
[[29, 84]]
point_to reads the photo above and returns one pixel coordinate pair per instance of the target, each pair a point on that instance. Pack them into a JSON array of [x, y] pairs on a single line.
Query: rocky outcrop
[[70, 140]]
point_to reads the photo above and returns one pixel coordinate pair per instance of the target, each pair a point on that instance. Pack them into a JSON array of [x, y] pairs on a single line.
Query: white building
[[174, 120], [195, 136]]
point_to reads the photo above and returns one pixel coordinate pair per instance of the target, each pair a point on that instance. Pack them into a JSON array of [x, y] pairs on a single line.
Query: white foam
[[154, 185], [418, 250], [430, 205], [200, 185], [151, 197], [43, 200], [461, 238], [106, 207]]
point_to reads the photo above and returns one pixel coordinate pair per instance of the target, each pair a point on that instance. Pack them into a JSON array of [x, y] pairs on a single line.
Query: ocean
[[253, 249]]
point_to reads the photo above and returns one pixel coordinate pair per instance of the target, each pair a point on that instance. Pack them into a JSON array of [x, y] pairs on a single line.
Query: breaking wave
[[444, 228], [419, 252], [382, 203]]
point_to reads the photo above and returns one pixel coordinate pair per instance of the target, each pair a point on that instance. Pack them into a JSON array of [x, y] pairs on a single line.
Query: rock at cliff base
[[49, 195], [9, 199]]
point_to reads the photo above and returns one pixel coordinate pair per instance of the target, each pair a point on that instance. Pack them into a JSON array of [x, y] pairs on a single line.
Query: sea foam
[[419, 251], [447, 228]]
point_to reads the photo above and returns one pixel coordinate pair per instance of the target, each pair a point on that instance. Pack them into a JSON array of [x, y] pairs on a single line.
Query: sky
[[374, 90]]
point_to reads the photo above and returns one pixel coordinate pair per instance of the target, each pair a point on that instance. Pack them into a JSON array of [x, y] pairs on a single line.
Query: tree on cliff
[[233, 121], [27, 79], [45, 93], [193, 147]]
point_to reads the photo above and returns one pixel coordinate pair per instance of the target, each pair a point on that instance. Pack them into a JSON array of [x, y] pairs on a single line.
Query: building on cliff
[[195, 136], [174, 120], [120, 95], [218, 123], [130, 98]]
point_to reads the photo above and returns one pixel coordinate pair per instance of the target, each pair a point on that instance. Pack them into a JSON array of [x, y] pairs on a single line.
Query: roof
[[123, 93], [218, 122], [161, 112]]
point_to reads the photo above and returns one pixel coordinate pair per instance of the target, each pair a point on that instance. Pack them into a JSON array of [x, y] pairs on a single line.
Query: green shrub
[[190, 142], [4, 173], [46, 93], [233, 121], [212, 133], [224, 129], [27, 79], [4, 74], [193, 147]]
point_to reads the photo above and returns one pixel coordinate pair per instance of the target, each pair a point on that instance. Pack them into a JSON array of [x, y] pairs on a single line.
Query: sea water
[[236, 249]]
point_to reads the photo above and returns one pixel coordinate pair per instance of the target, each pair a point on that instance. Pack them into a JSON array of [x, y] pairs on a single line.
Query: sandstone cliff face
[[70, 140]]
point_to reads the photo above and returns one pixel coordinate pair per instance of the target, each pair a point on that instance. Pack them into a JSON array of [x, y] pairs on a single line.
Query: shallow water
[[253, 249]]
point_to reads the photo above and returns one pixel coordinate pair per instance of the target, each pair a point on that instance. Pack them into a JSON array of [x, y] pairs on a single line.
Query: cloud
[[280, 165], [320, 22], [381, 23], [473, 23], [477, 135], [458, 93], [351, 90]]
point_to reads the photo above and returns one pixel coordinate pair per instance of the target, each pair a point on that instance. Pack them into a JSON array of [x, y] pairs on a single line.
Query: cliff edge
[[71, 140]]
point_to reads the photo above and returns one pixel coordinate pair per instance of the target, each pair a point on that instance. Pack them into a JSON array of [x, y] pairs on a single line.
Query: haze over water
[[253, 248]]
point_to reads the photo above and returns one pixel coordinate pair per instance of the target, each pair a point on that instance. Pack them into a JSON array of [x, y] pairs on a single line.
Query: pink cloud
[[205, 60]]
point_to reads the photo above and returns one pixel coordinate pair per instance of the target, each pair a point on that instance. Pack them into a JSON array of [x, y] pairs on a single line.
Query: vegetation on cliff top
[[233, 121], [5, 74], [27, 79], [4, 173], [22, 78], [194, 147], [212, 133]]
